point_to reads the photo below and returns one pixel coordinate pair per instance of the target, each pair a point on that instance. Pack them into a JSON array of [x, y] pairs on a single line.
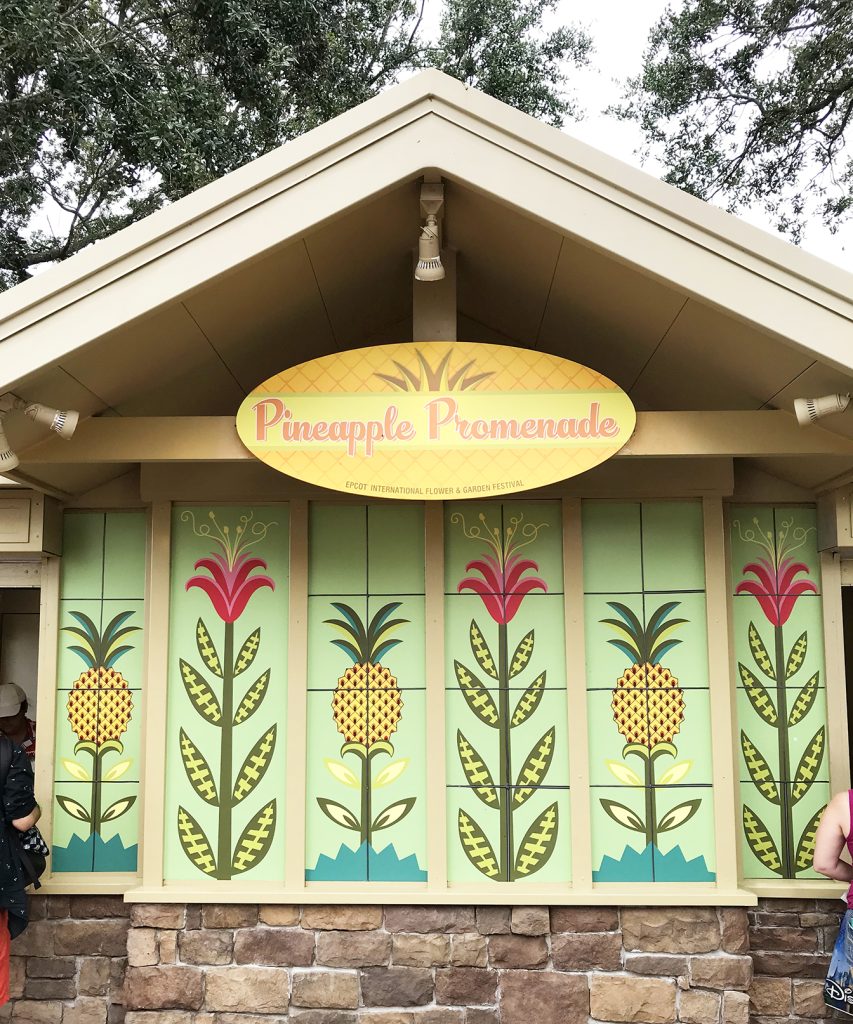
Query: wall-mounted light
[[429, 266], [810, 410], [60, 421]]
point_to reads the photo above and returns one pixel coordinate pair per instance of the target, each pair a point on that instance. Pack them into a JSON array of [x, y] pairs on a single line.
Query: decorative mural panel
[[781, 687], [227, 693], [99, 680], [506, 712], [648, 692], [366, 749]]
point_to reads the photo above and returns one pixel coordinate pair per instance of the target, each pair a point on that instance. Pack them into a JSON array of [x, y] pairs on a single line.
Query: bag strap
[[5, 758]]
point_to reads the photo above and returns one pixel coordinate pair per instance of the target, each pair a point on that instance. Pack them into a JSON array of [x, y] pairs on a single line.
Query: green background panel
[[802, 520], [745, 521], [550, 712], [82, 564], [267, 609], [612, 552], [459, 868], [545, 550], [673, 545], [337, 549], [124, 554], [395, 549]]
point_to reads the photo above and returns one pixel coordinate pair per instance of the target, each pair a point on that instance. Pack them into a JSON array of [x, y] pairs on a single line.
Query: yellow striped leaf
[[534, 769], [195, 843], [759, 698], [198, 771], [797, 656], [522, 656], [247, 652], [481, 651], [255, 841], [479, 699], [255, 766], [804, 700], [478, 775], [528, 702], [809, 765], [202, 698], [759, 770], [537, 845], [477, 847], [206, 649], [805, 847], [252, 700], [759, 652], [760, 841]]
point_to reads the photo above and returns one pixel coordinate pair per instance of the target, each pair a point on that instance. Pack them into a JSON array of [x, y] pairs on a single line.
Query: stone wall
[[93, 960]]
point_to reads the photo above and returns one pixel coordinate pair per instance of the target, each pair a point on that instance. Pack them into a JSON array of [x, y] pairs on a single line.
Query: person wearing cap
[[13, 718]]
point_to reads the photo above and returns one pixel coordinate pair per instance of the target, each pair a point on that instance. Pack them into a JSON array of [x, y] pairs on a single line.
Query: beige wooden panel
[[505, 262], [363, 263], [606, 315], [710, 361], [266, 316]]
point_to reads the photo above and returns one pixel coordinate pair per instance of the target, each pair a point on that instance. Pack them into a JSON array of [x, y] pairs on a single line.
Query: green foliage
[[750, 103], [110, 109]]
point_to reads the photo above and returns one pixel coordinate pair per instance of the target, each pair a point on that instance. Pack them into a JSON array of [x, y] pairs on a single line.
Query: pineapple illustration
[[99, 708], [648, 709], [367, 705]]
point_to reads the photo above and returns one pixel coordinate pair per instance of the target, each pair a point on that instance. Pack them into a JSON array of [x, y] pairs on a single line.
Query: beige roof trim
[[430, 121]]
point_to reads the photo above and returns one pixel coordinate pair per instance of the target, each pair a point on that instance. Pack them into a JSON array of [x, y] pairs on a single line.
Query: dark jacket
[[18, 801]]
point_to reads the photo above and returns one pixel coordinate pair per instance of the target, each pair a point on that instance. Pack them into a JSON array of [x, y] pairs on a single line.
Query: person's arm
[[27, 822], [831, 840]]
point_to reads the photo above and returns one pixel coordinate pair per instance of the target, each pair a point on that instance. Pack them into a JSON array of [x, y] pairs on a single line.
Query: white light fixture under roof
[[60, 421], [429, 266], [810, 410], [8, 459]]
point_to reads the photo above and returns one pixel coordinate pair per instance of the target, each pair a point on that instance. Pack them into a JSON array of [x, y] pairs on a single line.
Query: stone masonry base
[[95, 960]]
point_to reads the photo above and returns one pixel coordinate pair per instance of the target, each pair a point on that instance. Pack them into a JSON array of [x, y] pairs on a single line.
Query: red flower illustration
[[777, 588], [503, 585], [229, 587]]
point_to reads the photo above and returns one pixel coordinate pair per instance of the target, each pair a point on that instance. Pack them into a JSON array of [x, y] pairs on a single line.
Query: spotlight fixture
[[810, 410], [429, 266], [60, 421]]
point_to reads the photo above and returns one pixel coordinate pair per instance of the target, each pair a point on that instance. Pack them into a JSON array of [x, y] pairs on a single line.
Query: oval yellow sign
[[435, 420]]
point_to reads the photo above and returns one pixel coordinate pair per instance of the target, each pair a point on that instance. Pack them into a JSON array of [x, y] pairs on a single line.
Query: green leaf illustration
[[797, 656], [198, 770], [477, 847], [759, 653], [809, 765], [478, 775], [72, 807], [391, 772], [255, 840], [534, 769], [479, 699], [759, 698], [339, 814], [206, 649], [117, 809], [538, 844], [804, 700], [202, 698], [522, 656], [625, 774], [252, 700], [255, 766], [759, 770], [528, 702], [247, 652], [624, 815], [481, 652], [678, 815], [195, 843], [76, 770], [342, 773], [392, 814], [760, 841], [805, 847]]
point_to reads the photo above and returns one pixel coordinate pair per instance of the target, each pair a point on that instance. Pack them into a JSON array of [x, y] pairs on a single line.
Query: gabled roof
[[308, 249]]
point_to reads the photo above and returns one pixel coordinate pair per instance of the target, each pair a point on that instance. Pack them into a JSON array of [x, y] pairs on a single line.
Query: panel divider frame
[[436, 776], [297, 696]]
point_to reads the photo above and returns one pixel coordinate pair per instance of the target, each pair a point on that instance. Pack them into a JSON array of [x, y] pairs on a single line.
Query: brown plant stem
[[786, 810], [95, 807], [505, 755], [223, 855]]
